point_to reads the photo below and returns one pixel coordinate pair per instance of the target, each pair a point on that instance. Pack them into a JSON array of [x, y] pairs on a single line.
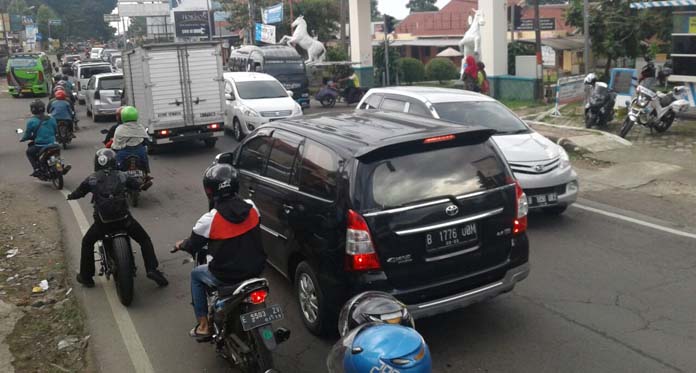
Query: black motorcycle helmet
[[105, 159], [373, 306], [57, 77], [220, 181], [37, 107]]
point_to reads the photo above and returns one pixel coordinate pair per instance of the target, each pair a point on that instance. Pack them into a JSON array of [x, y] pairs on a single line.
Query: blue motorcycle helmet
[[379, 347]]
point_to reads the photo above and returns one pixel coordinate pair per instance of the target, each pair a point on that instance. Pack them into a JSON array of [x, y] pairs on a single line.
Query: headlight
[[249, 112], [297, 110], [565, 159], [572, 187]]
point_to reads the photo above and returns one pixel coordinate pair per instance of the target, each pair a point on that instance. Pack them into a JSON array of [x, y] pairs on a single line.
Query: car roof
[[25, 55], [361, 132], [92, 64], [243, 76], [108, 75], [433, 94]]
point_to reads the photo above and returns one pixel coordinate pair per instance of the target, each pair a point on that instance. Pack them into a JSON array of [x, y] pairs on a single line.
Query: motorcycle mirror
[[290, 93], [19, 131], [104, 131]]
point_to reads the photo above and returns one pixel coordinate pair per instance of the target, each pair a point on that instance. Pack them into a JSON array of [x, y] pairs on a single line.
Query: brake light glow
[[163, 132], [258, 296], [521, 209], [435, 139], [360, 251], [214, 126]]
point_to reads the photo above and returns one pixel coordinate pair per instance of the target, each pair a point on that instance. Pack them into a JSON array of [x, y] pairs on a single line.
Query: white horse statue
[[315, 49], [470, 45]]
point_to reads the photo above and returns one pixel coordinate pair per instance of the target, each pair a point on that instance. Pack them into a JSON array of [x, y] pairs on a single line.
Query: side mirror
[[290, 93], [226, 158], [104, 131], [229, 97], [19, 131]]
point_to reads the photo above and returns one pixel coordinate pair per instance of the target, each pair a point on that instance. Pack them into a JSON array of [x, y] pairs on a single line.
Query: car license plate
[[134, 173], [543, 199], [253, 320], [26, 90], [460, 235]]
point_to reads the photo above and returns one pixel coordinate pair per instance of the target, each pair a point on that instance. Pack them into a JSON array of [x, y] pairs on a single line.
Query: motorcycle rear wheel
[[123, 269], [260, 360], [626, 127]]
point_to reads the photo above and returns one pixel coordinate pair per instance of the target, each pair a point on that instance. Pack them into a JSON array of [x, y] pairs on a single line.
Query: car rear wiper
[[449, 197]]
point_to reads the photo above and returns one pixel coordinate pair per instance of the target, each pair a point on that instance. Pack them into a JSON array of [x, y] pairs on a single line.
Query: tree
[[422, 6], [337, 53], [43, 15], [19, 7], [378, 63], [616, 30], [411, 70], [441, 69], [374, 12]]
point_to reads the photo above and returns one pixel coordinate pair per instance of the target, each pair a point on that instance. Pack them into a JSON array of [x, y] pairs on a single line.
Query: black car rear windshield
[[88, 72], [487, 114], [451, 171]]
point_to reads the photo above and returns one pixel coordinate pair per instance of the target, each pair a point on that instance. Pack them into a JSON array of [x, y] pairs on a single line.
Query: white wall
[[494, 36]]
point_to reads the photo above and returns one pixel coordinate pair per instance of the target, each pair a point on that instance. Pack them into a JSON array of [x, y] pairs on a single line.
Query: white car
[[542, 167], [253, 99], [96, 53], [103, 95], [84, 73]]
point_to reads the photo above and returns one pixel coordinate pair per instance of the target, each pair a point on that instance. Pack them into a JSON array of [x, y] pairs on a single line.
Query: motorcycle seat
[[229, 289], [49, 150], [665, 100]]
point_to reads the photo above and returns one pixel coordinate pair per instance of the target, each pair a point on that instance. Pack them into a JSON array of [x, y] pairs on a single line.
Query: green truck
[[29, 74]]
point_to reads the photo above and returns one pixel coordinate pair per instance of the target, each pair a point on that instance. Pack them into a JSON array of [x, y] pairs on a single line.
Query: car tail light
[[41, 76], [164, 132], [214, 126], [360, 252], [97, 95], [521, 209], [257, 297], [432, 140]]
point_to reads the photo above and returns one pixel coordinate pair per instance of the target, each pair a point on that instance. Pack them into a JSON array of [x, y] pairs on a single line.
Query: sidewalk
[[653, 174]]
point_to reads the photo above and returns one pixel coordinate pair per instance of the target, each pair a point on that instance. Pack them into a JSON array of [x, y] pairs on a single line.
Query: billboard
[[143, 8], [272, 14], [193, 23]]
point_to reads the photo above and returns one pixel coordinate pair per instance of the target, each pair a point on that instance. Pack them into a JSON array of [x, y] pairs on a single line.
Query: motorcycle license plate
[[134, 173], [253, 320]]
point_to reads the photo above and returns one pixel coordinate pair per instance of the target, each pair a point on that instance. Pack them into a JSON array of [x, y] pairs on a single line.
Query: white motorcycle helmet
[[591, 79], [679, 91]]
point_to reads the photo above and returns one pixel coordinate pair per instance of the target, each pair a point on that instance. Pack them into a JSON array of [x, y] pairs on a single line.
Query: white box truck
[[178, 90]]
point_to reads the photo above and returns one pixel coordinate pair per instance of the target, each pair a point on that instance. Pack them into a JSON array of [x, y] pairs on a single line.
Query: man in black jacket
[[108, 187], [232, 232]]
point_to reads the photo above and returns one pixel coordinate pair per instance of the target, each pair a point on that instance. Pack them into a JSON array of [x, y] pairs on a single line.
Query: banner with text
[[191, 24], [272, 14], [265, 33]]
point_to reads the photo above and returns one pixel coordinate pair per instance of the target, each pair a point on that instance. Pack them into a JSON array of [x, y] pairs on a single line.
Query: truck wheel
[[210, 143]]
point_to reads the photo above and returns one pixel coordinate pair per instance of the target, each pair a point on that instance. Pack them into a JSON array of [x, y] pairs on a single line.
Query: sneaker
[[66, 169], [86, 282], [158, 277]]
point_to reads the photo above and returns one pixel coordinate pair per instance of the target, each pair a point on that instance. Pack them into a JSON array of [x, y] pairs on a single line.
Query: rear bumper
[[188, 136], [105, 109], [437, 306], [34, 89]]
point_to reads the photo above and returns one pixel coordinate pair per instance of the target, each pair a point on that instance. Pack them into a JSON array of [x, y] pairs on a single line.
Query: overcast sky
[[397, 8]]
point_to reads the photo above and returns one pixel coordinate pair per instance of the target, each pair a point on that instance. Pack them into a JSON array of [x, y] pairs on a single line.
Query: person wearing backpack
[[41, 132], [108, 186]]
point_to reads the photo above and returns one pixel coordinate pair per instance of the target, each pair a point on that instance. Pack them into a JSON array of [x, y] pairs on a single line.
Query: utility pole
[[512, 21], [539, 60], [210, 25], [586, 33], [343, 14], [252, 40], [386, 51]]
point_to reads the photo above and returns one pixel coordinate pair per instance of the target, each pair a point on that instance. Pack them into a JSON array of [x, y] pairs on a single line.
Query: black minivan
[[422, 209]]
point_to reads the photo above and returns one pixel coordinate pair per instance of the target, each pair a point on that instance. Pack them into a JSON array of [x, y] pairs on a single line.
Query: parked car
[[103, 95], [84, 73], [542, 167], [253, 99], [28, 73], [422, 209]]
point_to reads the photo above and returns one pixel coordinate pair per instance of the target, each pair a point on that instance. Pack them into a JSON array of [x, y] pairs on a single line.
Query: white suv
[[542, 167], [253, 99]]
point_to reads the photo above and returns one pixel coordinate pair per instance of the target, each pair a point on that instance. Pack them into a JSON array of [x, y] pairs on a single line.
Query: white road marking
[[131, 340], [662, 228]]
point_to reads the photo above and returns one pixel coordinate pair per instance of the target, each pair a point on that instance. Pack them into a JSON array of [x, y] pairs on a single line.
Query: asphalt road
[[604, 294]]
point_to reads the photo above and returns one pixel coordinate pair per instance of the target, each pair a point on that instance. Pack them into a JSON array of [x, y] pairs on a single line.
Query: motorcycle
[[656, 111], [51, 165], [328, 95], [64, 135], [116, 259], [599, 109], [132, 167], [243, 333]]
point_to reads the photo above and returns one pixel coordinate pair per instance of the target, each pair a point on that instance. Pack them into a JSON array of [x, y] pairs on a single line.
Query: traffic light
[[389, 24]]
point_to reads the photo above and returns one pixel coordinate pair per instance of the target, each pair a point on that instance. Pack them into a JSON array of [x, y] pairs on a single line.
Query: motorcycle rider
[[129, 138], [352, 85], [61, 109], [41, 130], [108, 187], [232, 232], [110, 135]]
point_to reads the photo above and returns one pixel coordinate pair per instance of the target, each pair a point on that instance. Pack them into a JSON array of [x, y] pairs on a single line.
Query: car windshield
[[110, 83], [487, 114], [87, 72], [450, 171], [261, 89], [22, 62], [285, 68]]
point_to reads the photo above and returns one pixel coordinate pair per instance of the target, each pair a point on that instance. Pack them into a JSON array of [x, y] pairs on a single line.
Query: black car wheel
[[237, 130], [312, 302]]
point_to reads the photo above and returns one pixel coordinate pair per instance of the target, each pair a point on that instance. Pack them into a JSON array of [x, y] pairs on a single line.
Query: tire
[[555, 210], [665, 123], [264, 359], [210, 143], [306, 283], [626, 127], [89, 113], [133, 198], [237, 130], [58, 182], [328, 102], [588, 121], [123, 269]]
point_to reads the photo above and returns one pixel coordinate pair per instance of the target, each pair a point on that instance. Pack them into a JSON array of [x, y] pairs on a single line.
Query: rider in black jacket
[[233, 235], [108, 187]]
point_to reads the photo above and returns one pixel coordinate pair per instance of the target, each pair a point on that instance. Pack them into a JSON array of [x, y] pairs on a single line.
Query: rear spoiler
[[462, 135]]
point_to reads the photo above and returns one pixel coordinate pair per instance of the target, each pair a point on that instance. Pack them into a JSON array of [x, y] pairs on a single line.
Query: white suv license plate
[[543, 199]]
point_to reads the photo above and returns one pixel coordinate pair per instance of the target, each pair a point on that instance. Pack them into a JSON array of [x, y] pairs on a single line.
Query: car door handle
[[251, 191], [287, 209]]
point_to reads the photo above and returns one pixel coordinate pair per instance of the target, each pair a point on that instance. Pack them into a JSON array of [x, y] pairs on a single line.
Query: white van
[[84, 72]]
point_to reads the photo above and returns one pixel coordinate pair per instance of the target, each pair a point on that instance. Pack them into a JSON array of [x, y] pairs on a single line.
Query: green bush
[[441, 69], [411, 70], [336, 53]]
